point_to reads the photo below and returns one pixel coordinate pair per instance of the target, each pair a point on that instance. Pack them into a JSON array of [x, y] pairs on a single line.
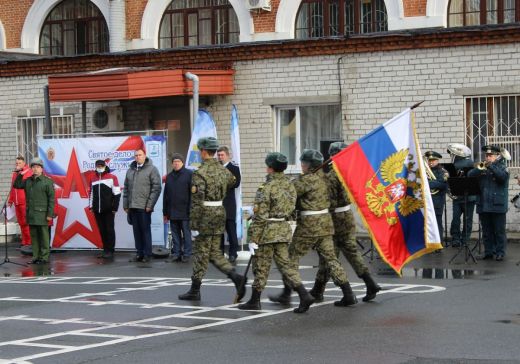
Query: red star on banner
[[74, 183]]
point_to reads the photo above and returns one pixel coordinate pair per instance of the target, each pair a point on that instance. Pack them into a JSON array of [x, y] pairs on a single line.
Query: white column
[[117, 26]]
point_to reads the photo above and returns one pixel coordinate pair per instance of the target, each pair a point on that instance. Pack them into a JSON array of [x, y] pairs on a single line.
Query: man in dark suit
[[230, 204]]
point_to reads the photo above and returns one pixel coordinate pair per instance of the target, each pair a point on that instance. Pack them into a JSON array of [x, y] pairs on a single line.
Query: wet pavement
[[79, 309]]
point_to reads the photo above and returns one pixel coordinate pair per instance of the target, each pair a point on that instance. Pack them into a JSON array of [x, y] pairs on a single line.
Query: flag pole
[[416, 105]]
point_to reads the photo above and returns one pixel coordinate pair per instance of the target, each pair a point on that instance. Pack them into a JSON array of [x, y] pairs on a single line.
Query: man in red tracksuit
[[17, 197], [105, 194]]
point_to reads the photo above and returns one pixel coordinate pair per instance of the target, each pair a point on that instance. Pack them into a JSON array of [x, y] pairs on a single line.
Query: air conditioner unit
[[108, 119], [258, 4]]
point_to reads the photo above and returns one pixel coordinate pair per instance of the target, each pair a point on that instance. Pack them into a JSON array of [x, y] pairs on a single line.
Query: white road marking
[[96, 328]]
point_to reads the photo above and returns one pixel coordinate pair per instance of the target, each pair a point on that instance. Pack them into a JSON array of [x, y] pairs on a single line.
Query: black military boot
[[348, 296], [253, 303], [306, 300], [372, 287], [284, 298], [237, 280], [194, 293], [317, 290]]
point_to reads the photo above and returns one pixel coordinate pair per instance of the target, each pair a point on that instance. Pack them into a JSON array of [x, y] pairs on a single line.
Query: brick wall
[[414, 7], [13, 17], [265, 21], [134, 15]]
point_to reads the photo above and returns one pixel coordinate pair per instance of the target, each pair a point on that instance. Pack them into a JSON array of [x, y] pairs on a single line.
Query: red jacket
[[17, 196]]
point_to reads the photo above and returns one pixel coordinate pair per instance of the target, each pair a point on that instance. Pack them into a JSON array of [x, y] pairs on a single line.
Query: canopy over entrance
[[136, 83]]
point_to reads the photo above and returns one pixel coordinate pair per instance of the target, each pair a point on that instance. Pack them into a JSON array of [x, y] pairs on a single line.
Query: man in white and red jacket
[[17, 197], [104, 197]]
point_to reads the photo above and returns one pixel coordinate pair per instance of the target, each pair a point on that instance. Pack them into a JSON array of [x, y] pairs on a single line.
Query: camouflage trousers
[[348, 246], [206, 250], [325, 248], [264, 255]]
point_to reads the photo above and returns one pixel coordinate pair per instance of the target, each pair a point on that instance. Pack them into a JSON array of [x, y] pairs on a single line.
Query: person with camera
[[493, 177]]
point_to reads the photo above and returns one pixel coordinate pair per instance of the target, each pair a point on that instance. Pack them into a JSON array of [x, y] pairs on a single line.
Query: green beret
[[336, 147], [37, 161], [207, 143], [313, 157], [276, 161], [491, 149], [431, 155]]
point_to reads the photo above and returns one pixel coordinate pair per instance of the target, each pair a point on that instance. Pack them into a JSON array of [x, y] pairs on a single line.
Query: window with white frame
[[29, 128], [306, 127], [494, 120]]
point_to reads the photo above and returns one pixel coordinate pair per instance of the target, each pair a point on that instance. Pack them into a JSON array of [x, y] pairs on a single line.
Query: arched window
[[74, 27], [480, 12], [330, 18], [198, 22]]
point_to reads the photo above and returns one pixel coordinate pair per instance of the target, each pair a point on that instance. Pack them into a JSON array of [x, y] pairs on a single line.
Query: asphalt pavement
[[80, 309]]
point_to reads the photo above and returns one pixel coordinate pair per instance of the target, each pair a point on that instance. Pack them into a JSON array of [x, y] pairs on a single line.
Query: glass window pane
[[317, 123], [288, 134], [193, 29]]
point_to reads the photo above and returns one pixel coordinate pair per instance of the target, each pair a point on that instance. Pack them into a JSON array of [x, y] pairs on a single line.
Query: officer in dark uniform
[[438, 186], [493, 178], [461, 158]]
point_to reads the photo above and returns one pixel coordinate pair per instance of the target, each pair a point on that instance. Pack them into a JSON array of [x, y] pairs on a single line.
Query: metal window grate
[[494, 120], [29, 128]]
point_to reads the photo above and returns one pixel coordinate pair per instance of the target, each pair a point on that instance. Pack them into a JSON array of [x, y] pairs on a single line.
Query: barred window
[[29, 128], [494, 120], [74, 27], [330, 18], [306, 127], [480, 12], [198, 22]]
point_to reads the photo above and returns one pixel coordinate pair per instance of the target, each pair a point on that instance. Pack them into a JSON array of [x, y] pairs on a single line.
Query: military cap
[[100, 162], [432, 155], [491, 149], [313, 157], [207, 143], [37, 161], [276, 161], [336, 147]]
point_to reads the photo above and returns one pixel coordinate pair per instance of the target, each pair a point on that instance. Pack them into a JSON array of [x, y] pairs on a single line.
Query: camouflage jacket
[[209, 183], [339, 198], [313, 195], [274, 199]]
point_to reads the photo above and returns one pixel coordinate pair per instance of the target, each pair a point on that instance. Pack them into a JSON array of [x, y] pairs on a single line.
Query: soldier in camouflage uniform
[[270, 233], [344, 235], [314, 228], [208, 188]]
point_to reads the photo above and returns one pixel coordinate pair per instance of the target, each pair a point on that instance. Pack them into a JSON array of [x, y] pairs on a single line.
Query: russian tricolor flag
[[384, 175]]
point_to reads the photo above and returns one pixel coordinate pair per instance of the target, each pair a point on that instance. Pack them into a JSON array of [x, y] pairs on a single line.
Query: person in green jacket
[[39, 193]]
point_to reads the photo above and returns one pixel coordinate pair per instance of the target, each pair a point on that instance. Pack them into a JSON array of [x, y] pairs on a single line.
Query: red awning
[[136, 83]]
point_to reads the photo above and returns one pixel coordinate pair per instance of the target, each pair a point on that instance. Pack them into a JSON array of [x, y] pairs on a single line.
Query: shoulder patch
[[193, 189]]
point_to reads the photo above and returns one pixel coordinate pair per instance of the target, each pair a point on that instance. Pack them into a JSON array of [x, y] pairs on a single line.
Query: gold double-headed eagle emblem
[[399, 191]]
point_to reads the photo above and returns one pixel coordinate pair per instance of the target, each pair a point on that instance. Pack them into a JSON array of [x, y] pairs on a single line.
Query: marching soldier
[[314, 227], [438, 186], [344, 236], [208, 218], [270, 233], [493, 178]]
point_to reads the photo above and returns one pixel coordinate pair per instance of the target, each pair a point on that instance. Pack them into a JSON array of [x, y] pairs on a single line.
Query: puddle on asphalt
[[438, 273]]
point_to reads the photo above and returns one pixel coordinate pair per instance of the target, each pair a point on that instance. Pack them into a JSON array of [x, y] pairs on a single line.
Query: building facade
[[305, 72]]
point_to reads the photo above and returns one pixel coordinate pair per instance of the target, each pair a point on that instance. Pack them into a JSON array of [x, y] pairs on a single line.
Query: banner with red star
[[70, 162]]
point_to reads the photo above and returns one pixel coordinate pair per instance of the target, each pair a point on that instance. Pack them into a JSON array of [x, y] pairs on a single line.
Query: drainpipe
[[46, 100], [117, 25], [190, 76]]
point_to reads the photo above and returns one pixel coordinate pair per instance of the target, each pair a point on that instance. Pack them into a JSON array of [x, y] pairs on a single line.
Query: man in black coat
[[230, 204], [438, 186], [176, 208]]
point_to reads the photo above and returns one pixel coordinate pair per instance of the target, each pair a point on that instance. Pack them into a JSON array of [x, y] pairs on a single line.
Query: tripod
[[4, 212], [464, 186], [368, 251]]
